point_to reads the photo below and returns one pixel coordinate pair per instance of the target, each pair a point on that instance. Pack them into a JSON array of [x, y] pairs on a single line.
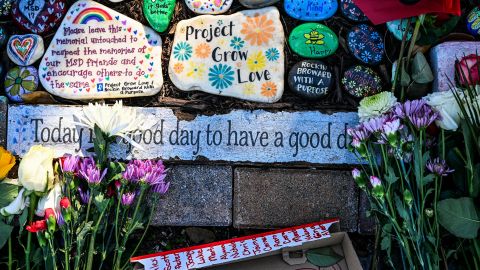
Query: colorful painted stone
[[239, 55], [398, 28], [352, 11], [366, 44], [99, 53], [311, 10], [209, 6], [3, 36], [38, 16], [24, 50], [257, 3], [19, 81], [159, 13], [473, 21], [313, 40], [5, 7], [311, 79], [360, 81]]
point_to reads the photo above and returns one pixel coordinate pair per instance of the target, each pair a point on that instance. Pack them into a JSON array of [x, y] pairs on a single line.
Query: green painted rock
[[158, 13], [313, 40]]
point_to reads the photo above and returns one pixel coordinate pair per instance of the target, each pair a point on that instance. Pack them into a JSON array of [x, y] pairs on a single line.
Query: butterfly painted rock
[[209, 6], [38, 16], [24, 50]]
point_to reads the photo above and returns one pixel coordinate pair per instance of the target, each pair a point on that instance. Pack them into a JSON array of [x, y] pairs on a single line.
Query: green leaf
[[421, 71], [428, 179], [459, 217], [390, 176], [101, 202], [400, 208], [5, 231], [386, 243], [323, 257], [82, 232], [405, 79], [8, 194], [476, 180], [22, 220]]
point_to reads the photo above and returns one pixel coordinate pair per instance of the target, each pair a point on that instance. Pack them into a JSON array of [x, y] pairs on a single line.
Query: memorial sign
[[239, 136], [100, 53]]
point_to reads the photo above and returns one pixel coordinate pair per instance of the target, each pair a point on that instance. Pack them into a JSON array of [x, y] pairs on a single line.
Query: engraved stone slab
[[209, 6], [239, 136], [239, 55], [99, 53]]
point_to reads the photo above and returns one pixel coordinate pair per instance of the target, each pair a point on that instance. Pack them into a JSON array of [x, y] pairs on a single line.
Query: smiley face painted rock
[[311, 10], [366, 44], [19, 81], [313, 40], [209, 6], [99, 53], [24, 50], [38, 16], [239, 55]]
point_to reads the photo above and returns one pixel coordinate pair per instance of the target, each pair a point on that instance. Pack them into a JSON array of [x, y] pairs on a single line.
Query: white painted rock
[[99, 53], [209, 6], [24, 50], [239, 55]]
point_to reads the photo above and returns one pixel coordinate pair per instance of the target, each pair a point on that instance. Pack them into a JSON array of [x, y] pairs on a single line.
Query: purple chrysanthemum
[[161, 188], [90, 172], [146, 171], [128, 198], [69, 163], [417, 112], [358, 133], [439, 167]]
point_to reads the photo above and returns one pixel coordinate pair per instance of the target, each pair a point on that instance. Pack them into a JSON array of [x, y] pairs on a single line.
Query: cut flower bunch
[[79, 212]]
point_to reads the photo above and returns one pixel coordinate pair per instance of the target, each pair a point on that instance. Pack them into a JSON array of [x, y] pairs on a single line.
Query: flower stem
[[31, 212], [91, 246], [10, 254]]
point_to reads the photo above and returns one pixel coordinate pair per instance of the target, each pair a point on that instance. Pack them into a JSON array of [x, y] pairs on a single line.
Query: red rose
[[467, 69], [49, 212], [37, 226], [65, 203]]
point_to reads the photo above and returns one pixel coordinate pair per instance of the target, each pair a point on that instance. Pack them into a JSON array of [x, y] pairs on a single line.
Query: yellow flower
[[7, 161], [196, 70], [256, 62], [249, 89]]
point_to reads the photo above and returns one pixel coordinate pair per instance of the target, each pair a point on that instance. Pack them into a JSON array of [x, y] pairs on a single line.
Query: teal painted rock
[[158, 13], [398, 28], [313, 40]]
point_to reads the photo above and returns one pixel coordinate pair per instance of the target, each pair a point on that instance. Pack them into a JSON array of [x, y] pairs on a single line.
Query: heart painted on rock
[[24, 50], [38, 16], [24, 47], [31, 9]]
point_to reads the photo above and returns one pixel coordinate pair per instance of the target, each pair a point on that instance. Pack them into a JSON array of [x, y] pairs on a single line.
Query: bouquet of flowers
[[82, 211]]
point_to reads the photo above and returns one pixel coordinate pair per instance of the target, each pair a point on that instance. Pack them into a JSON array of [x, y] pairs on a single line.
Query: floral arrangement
[[81, 210]]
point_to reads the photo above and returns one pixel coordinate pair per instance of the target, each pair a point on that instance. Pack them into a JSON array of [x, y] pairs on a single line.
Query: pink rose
[[467, 69]]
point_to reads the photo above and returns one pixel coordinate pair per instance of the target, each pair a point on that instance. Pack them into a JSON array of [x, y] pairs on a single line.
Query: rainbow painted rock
[[99, 53], [159, 13], [38, 16], [19, 81], [473, 21], [360, 81], [239, 55], [313, 40], [209, 6], [311, 10], [24, 50]]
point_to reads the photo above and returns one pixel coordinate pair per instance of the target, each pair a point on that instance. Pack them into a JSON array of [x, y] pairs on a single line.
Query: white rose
[[51, 200], [35, 171], [446, 105], [16, 206]]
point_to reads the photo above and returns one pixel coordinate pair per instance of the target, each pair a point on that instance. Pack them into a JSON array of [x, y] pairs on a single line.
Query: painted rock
[[24, 50], [3, 36], [38, 16], [209, 6], [99, 53], [311, 79], [360, 81], [352, 11], [398, 28], [5, 7], [311, 10], [366, 44], [313, 40], [159, 13], [257, 3], [473, 21], [239, 55], [19, 81]]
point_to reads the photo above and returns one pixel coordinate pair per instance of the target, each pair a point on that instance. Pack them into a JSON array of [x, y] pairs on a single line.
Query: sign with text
[[243, 136]]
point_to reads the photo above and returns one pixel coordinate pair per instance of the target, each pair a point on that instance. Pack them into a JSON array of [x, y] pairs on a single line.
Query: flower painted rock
[[257, 3], [311, 79], [311, 10], [366, 44], [473, 21], [209, 6], [24, 50], [99, 53], [38, 16], [239, 55], [360, 81], [313, 40], [398, 28], [159, 13], [352, 11], [5, 7], [19, 81]]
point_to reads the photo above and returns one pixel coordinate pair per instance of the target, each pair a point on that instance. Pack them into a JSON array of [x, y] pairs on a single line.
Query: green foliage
[[459, 217], [5, 231], [323, 257], [8, 194]]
